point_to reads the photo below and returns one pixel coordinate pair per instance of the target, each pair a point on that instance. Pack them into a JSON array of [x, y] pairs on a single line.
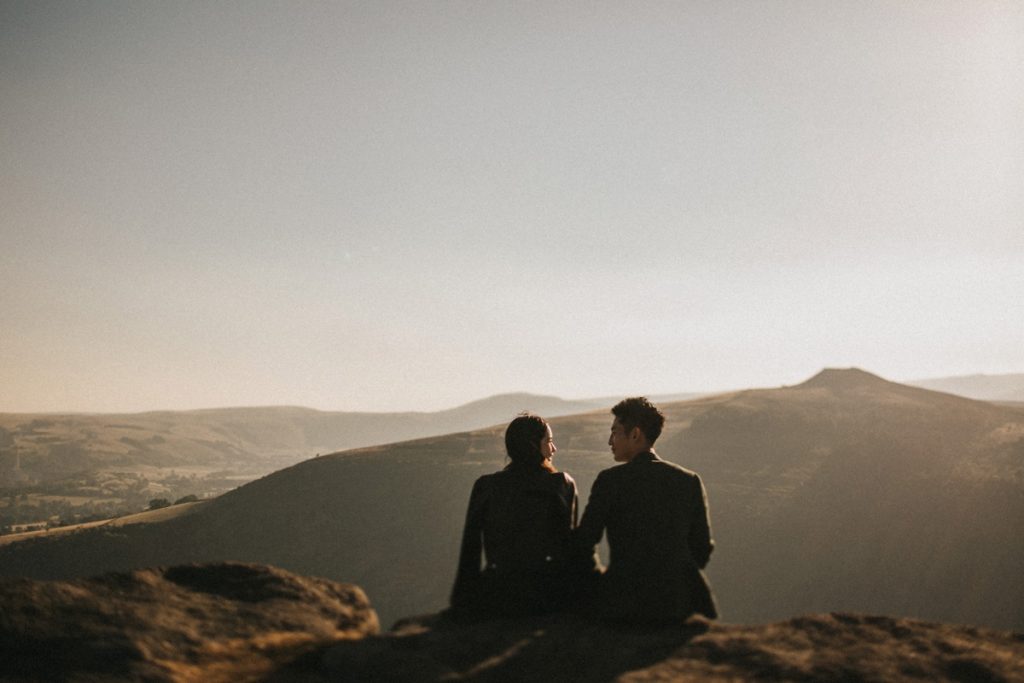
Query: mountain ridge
[[984, 387]]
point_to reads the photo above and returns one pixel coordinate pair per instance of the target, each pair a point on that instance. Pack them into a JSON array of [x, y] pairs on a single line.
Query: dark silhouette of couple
[[537, 558]]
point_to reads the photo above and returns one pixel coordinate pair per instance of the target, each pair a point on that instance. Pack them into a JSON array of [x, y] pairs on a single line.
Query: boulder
[[225, 621]]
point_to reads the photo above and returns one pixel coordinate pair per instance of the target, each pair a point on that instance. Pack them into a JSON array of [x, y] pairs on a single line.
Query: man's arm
[[699, 540], [592, 525]]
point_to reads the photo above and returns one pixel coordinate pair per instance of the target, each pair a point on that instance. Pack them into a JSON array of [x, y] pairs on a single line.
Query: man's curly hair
[[639, 412]]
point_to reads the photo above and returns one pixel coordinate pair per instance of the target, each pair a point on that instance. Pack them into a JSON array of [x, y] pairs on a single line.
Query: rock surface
[[216, 622], [829, 647], [241, 622]]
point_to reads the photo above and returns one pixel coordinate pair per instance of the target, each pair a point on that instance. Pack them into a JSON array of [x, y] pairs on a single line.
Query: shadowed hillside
[[846, 492]]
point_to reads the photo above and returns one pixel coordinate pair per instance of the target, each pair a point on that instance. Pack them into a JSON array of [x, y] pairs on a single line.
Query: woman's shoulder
[[487, 481], [563, 479]]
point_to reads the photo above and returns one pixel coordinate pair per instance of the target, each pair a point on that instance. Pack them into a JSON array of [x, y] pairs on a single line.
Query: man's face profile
[[625, 445]]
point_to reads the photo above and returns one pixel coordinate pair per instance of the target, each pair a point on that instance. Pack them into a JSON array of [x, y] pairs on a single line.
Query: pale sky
[[391, 206]]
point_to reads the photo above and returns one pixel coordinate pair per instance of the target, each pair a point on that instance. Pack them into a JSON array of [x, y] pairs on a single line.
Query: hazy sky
[[391, 206]]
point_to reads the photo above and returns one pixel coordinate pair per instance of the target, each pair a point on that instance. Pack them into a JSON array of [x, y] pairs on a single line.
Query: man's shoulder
[[655, 464], [658, 468], [676, 469], [682, 477], [619, 475], [611, 473]]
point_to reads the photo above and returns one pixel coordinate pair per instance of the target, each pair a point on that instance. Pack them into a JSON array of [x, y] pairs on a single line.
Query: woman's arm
[[468, 574]]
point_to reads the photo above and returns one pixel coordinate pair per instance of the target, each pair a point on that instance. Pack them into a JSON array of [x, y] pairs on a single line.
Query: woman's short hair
[[522, 442]]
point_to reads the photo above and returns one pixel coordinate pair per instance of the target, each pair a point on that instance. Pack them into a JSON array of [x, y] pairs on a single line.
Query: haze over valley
[[57, 469]]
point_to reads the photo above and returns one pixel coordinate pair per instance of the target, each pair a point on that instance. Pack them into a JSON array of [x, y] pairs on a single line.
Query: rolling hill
[[82, 467], [846, 492], [50, 446]]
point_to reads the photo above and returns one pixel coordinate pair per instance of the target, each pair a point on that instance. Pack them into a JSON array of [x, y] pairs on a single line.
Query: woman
[[521, 517]]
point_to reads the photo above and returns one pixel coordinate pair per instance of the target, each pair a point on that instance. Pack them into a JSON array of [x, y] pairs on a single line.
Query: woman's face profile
[[547, 445]]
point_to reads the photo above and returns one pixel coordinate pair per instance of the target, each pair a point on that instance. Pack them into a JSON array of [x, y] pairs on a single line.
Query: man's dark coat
[[659, 538]]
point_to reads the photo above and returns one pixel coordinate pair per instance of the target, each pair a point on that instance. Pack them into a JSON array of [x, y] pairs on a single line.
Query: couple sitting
[[537, 559]]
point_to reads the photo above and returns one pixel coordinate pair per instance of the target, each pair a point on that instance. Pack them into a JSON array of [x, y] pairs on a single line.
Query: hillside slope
[[846, 492]]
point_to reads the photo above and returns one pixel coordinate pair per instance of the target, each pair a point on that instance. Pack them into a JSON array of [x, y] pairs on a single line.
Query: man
[[656, 517]]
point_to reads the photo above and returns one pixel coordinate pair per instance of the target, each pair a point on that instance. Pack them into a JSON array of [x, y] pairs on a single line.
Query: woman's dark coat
[[522, 521]]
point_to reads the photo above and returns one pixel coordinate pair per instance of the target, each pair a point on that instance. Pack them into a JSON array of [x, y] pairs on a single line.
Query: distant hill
[[846, 492], [50, 446], [982, 387], [68, 469], [609, 401]]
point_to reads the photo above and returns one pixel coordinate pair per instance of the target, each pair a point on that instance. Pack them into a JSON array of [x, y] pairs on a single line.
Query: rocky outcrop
[[214, 622], [242, 622], [829, 647]]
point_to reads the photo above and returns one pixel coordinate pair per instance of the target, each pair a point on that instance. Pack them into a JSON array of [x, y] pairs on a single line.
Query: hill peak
[[844, 379]]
